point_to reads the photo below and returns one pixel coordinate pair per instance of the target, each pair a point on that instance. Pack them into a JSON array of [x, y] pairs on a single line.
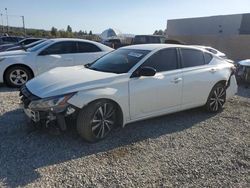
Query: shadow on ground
[[23, 149], [4, 88]]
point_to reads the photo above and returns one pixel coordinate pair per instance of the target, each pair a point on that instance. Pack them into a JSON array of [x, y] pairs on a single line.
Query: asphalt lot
[[187, 149]]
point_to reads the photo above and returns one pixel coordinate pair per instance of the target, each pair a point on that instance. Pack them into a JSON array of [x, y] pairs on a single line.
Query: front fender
[[118, 95]]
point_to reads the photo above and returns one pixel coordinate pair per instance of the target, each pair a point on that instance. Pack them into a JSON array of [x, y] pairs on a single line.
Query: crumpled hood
[[13, 53], [63, 80]]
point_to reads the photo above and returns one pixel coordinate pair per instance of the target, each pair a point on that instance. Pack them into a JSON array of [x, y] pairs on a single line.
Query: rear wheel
[[217, 98], [17, 76], [97, 120]]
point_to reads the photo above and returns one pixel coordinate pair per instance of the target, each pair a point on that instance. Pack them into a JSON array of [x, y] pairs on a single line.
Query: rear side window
[[164, 60], [84, 47], [66, 47], [192, 58], [208, 57]]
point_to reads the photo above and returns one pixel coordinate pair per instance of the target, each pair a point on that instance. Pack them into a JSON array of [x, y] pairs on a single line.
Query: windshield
[[39, 46], [119, 61], [34, 43]]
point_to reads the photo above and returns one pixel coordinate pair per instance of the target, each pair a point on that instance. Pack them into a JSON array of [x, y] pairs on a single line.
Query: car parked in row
[[17, 67], [9, 40], [243, 70], [153, 39], [130, 84], [21, 43], [25, 47]]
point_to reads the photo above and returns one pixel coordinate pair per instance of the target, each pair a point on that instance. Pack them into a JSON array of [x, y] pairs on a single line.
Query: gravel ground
[[186, 149]]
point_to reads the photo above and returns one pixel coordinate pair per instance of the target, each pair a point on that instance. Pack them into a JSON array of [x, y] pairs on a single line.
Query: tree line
[[53, 33]]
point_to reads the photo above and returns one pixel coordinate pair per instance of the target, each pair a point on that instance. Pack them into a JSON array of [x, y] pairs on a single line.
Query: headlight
[[2, 58], [56, 104]]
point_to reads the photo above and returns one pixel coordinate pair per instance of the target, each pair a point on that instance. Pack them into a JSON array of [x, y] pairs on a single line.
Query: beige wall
[[236, 47]]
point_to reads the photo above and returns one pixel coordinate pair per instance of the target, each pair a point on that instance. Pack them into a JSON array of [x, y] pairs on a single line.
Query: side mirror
[[146, 71]]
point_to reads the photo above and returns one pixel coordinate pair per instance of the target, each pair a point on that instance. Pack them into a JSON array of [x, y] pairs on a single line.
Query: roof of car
[[102, 46], [152, 47], [200, 46], [69, 39]]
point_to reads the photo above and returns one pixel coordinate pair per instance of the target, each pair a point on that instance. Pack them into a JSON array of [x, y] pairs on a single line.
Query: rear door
[[160, 93], [60, 54], [87, 53], [198, 77]]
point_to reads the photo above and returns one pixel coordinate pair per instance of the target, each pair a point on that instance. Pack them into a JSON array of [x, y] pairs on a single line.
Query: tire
[[97, 120], [17, 76], [216, 98]]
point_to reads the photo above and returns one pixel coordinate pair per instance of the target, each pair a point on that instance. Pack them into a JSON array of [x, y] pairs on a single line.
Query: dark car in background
[[151, 39], [24, 47], [113, 43], [9, 39], [20, 43]]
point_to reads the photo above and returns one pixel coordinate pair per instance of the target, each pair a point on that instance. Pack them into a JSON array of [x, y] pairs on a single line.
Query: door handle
[[176, 80], [213, 70]]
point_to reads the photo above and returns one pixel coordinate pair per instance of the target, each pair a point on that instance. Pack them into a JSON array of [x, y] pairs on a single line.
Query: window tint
[[192, 58], [164, 60], [66, 47], [84, 47], [208, 57]]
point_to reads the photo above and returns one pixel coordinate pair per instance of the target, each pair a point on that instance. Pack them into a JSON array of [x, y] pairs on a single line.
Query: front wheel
[[97, 120], [217, 98]]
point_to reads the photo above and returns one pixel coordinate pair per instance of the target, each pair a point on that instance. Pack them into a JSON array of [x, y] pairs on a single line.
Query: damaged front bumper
[[47, 111]]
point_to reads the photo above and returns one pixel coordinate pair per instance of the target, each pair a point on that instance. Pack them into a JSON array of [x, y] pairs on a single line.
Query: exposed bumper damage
[[45, 118]]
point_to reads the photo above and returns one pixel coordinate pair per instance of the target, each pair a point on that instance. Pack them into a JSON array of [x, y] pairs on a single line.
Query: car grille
[[27, 96]]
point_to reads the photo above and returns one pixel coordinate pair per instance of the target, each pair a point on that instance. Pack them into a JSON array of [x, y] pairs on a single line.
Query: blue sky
[[130, 16]]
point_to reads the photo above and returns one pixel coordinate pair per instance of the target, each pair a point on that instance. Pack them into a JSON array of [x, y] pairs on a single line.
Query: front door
[[158, 94]]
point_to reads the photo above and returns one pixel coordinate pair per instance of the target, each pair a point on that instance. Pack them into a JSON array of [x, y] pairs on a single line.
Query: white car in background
[[216, 52], [17, 67], [127, 85]]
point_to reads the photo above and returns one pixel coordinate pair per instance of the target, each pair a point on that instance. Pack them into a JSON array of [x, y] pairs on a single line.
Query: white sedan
[[216, 52], [17, 67], [127, 85]]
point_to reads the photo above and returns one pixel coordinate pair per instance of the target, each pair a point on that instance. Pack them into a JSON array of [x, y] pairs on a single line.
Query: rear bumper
[[233, 87]]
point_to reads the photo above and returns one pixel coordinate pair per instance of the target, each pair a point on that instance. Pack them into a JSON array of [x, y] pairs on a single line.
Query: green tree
[[90, 32], [53, 31], [159, 32], [69, 29]]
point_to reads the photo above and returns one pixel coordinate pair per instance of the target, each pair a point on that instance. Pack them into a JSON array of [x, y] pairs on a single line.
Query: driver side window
[[163, 60], [66, 47]]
